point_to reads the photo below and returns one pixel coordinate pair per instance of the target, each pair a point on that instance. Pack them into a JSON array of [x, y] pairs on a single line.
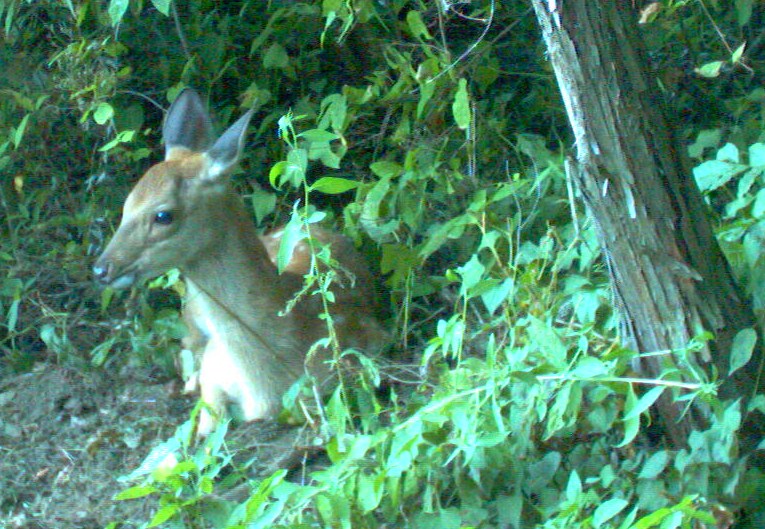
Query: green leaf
[[164, 514], [103, 113], [744, 11], [608, 510], [471, 273], [705, 140], [589, 367], [574, 487], [645, 402], [263, 202], [276, 171], [495, 296], [163, 6], [736, 57], [741, 351], [714, 174], [318, 135], [710, 70], [276, 58], [654, 466], [18, 134], [331, 185], [757, 154], [385, 169], [461, 106], [293, 234], [728, 153], [631, 421], [117, 9], [126, 136], [416, 25], [139, 491]]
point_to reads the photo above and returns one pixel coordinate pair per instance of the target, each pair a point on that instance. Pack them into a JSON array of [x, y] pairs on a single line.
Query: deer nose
[[101, 271]]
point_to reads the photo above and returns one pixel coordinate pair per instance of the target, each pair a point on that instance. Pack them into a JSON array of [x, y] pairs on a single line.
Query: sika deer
[[184, 213]]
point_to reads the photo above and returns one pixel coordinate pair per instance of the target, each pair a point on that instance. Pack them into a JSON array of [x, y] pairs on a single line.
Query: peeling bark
[[668, 271]]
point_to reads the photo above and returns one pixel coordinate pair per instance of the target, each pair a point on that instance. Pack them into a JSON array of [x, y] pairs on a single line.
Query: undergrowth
[[432, 135]]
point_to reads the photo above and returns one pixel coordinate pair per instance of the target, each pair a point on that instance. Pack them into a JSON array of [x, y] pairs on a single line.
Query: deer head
[[167, 216]]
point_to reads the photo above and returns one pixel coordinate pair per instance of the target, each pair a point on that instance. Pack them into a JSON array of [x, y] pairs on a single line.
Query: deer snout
[[104, 273], [102, 270]]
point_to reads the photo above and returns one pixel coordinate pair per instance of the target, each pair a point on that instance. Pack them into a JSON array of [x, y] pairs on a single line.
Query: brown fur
[[249, 355]]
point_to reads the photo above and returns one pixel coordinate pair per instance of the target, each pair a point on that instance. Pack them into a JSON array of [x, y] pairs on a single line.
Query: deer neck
[[234, 273]]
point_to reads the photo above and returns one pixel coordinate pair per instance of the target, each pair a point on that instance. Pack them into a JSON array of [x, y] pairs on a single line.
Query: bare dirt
[[67, 436]]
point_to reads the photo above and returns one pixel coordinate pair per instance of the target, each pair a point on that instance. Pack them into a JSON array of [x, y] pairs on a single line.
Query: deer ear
[[187, 124], [226, 151]]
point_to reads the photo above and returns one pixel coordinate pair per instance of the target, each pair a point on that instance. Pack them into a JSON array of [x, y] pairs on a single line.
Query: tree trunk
[[668, 272]]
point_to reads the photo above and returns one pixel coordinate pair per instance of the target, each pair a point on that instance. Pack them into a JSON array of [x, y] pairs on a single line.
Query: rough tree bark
[[667, 269]]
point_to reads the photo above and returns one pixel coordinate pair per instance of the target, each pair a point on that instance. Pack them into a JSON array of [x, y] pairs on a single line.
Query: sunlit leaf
[[163, 6], [742, 348], [117, 9], [331, 185], [461, 106], [607, 510]]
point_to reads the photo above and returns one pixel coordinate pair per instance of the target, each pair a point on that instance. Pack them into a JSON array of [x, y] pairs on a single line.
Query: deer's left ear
[[187, 125], [225, 152]]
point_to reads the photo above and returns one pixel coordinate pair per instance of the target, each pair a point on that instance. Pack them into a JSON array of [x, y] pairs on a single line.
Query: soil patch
[[65, 438]]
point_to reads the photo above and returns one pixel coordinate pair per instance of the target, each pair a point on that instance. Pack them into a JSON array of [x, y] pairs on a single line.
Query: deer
[[185, 213]]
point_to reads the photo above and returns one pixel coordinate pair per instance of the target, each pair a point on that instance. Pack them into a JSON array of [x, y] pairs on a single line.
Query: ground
[[66, 437]]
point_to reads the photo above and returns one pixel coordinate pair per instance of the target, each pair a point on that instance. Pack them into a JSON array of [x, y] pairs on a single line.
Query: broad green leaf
[[276, 58], [295, 169], [318, 135], [574, 487], [139, 491], [293, 234], [103, 113], [416, 25], [494, 297], [334, 109], [263, 202], [728, 153], [757, 154], [163, 6], [655, 465], [370, 490], [164, 514], [741, 351], [276, 171], [607, 510], [631, 421], [758, 208], [744, 12], [385, 169], [548, 341], [126, 136], [710, 70], [589, 367], [117, 9], [18, 134], [713, 174], [471, 273], [705, 140], [645, 402], [331, 185], [461, 106], [736, 57], [426, 92]]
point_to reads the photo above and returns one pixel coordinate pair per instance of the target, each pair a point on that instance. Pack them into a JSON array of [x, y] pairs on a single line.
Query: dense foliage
[[432, 134]]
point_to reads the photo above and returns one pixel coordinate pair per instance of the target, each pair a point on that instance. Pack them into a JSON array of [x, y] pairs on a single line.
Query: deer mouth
[[122, 282]]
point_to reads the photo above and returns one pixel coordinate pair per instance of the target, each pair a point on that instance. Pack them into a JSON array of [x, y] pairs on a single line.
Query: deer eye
[[163, 217]]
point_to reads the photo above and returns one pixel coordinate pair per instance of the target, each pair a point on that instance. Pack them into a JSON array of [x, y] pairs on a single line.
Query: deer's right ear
[[187, 124]]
